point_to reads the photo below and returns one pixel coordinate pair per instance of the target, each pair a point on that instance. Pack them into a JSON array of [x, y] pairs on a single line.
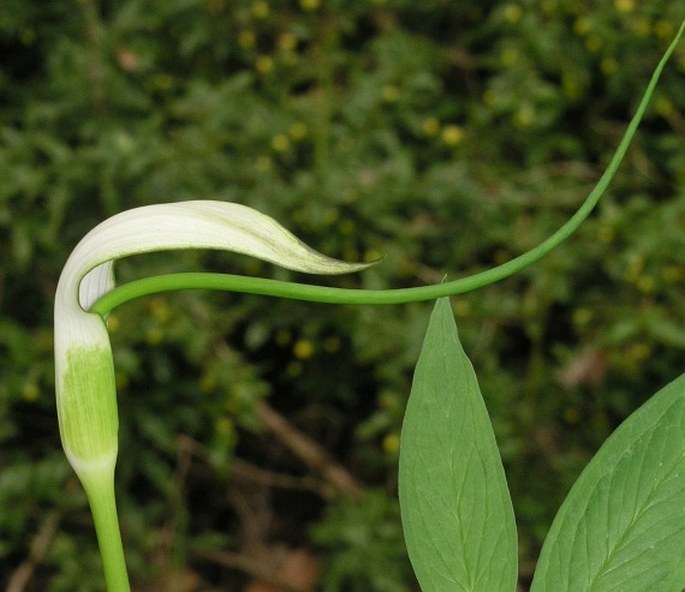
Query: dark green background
[[447, 135]]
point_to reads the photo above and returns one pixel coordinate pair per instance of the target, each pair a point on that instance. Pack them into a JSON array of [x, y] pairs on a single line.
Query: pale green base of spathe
[[87, 407]]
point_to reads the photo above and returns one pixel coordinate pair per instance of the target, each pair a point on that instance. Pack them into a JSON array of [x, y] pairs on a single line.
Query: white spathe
[[85, 390]]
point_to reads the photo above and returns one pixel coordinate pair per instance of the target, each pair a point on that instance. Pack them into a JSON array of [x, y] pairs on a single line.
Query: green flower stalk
[[85, 385]]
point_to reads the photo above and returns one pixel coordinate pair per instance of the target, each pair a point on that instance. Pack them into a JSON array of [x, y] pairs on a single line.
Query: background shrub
[[447, 136]]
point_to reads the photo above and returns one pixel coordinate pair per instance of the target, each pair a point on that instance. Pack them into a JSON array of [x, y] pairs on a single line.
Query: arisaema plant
[[622, 527]]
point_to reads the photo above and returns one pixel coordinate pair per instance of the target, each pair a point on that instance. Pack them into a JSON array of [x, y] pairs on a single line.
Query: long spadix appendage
[[333, 295]]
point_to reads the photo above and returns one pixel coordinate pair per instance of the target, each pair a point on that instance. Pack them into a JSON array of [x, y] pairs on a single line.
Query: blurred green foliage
[[448, 136]]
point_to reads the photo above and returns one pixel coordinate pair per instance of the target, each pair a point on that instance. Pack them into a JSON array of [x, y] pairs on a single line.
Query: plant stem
[[324, 294], [99, 487]]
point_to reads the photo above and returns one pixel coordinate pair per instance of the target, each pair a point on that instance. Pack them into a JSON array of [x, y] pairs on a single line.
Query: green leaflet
[[622, 526], [456, 511]]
